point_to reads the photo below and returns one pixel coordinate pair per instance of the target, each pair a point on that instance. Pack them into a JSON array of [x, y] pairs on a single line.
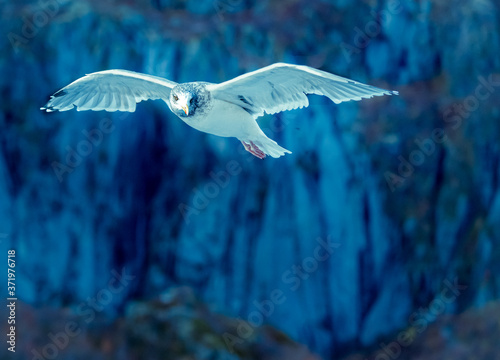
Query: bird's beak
[[186, 109]]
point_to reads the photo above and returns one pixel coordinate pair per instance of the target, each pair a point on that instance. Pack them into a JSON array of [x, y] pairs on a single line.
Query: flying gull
[[229, 109]]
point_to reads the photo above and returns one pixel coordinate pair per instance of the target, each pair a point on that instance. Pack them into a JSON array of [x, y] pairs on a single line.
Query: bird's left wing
[[281, 87], [110, 90]]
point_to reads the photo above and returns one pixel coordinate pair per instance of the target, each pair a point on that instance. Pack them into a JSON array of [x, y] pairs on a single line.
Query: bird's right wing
[[110, 90]]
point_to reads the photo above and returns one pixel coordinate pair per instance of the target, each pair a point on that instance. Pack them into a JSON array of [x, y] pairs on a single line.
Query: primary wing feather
[[281, 87], [110, 90]]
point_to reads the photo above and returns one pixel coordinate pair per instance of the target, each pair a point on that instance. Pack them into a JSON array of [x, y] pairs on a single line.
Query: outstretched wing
[[281, 87], [110, 90]]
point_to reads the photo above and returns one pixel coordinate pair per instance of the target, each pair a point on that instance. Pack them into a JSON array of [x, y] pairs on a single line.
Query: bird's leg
[[256, 151], [253, 149]]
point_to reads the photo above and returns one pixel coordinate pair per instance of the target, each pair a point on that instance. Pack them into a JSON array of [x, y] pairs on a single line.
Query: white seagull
[[228, 109]]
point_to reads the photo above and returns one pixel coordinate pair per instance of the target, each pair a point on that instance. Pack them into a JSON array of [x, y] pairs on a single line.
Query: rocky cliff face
[[383, 207]]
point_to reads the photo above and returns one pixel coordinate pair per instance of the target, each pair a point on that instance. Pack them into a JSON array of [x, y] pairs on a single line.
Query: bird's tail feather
[[270, 147]]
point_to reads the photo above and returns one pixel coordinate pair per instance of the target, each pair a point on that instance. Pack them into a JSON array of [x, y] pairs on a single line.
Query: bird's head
[[184, 100]]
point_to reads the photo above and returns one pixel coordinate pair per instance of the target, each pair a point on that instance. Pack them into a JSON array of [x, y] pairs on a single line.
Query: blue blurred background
[[138, 237]]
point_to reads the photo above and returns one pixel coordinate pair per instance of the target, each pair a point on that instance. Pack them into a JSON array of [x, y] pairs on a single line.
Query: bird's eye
[[176, 98]]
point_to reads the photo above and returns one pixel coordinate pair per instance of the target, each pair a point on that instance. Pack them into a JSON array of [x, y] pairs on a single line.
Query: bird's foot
[[253, 149]]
